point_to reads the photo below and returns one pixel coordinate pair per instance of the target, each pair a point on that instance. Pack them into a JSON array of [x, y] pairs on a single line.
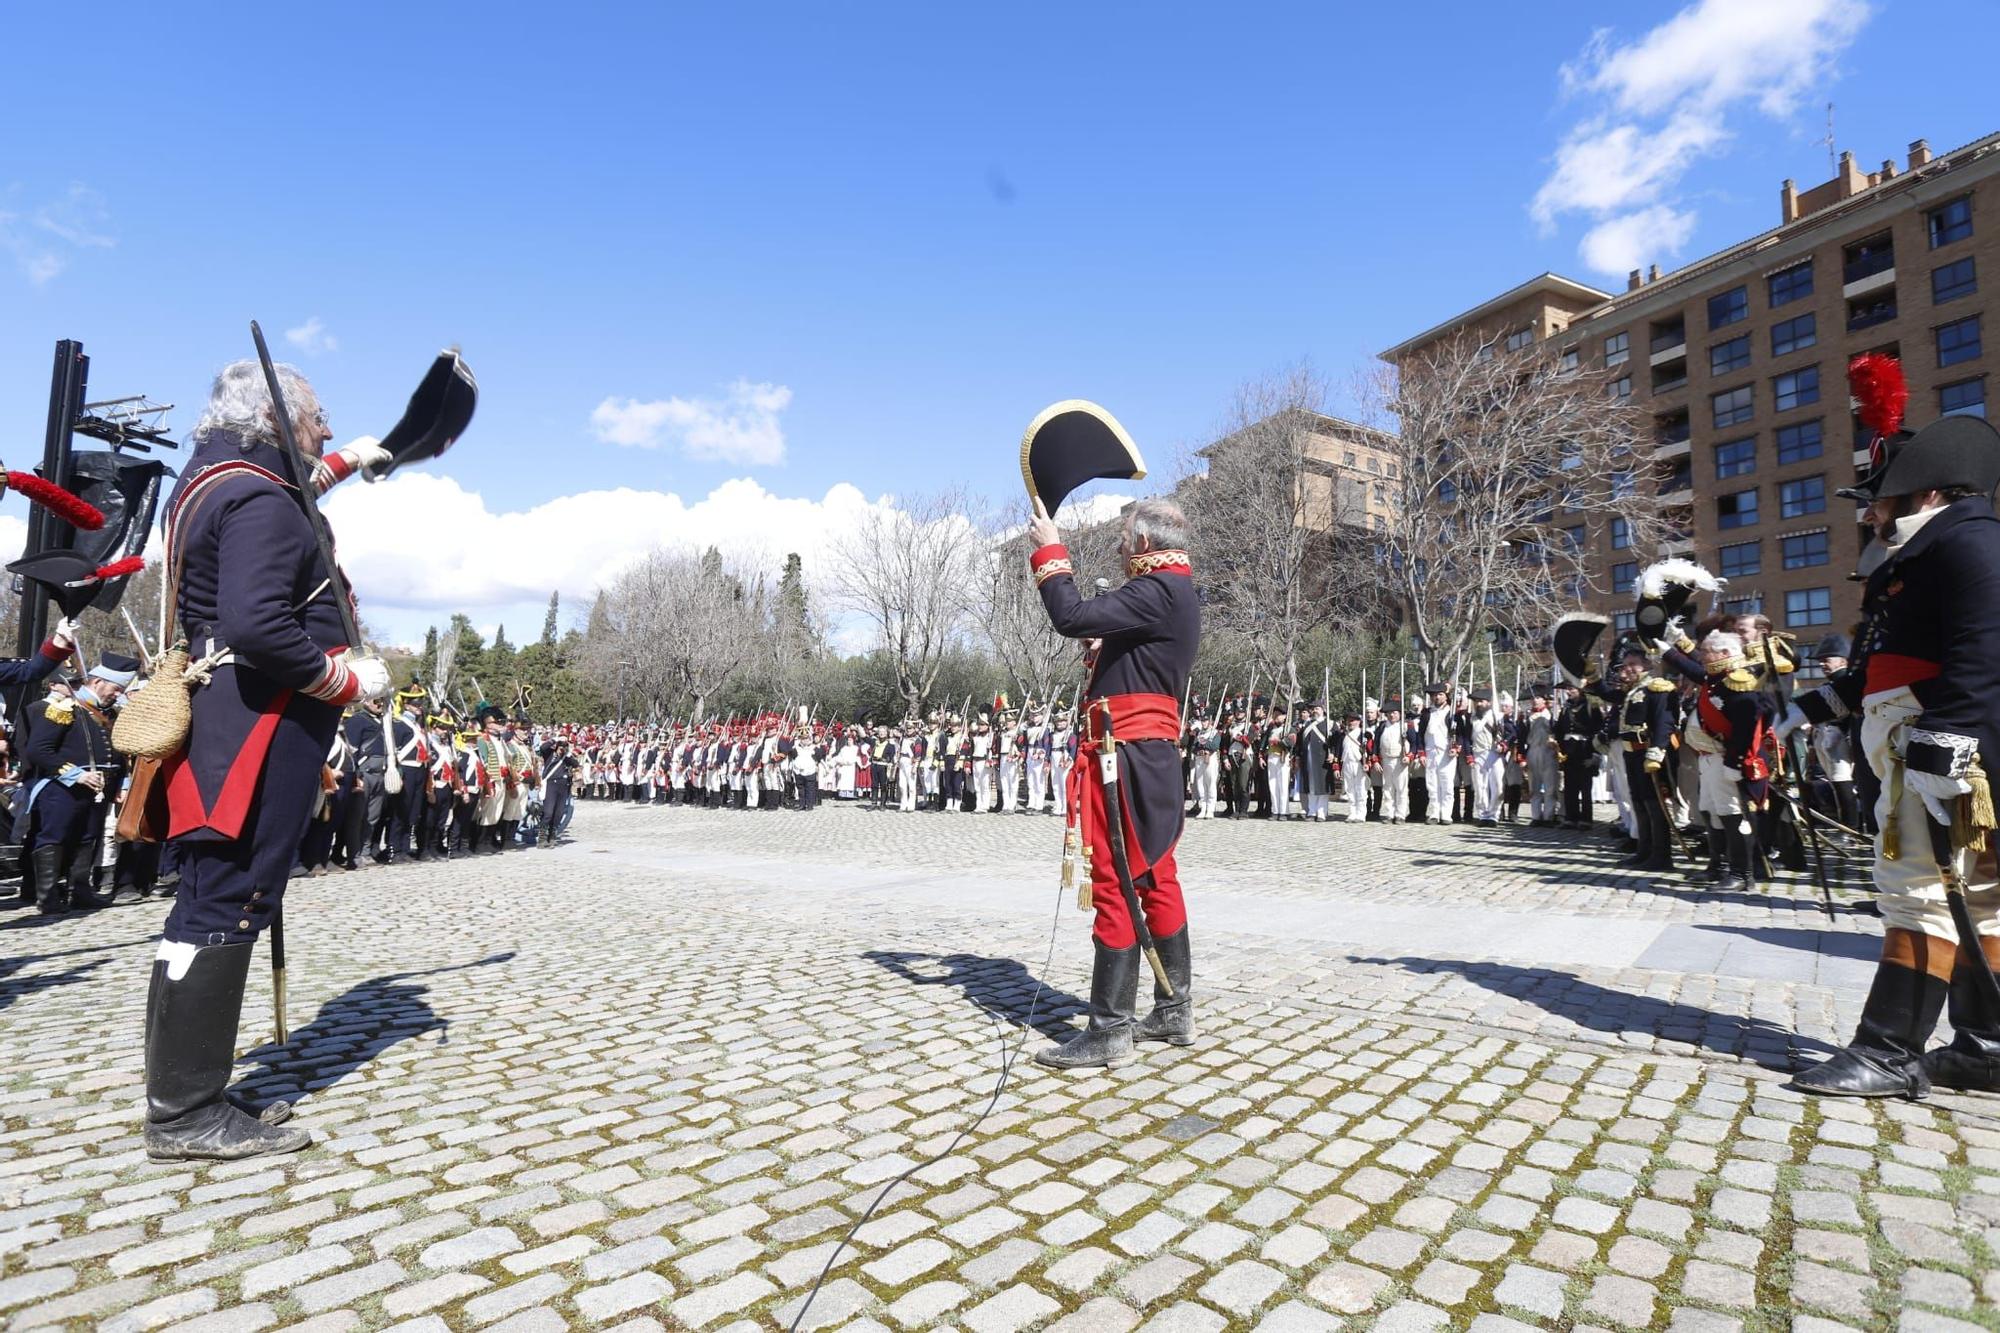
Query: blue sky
[[761, 265]]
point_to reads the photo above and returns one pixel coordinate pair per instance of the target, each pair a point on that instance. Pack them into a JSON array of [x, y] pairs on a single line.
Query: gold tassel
[[1974, 816]]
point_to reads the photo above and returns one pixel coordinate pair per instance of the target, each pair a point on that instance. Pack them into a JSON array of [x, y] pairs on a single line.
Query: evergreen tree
[[549, 628]]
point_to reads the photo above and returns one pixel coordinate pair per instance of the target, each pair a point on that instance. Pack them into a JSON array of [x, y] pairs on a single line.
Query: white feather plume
[[1653, 581]]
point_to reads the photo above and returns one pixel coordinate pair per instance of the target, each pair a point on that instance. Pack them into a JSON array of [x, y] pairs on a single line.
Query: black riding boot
[[1172, 1020], [1106, 1039], [1642, 841], [510, 834], [1718, 853], [1971, 1063], [1659, 846], [82, 871], [190, 1046], [1885, 1059], [51, 880], [1737, 877]]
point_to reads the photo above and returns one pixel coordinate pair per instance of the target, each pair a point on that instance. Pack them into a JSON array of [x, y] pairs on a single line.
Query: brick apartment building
[[1741, 359], [1349, 475]]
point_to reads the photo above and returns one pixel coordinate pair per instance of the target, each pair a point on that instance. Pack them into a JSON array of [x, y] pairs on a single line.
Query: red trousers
[[1158, 883]]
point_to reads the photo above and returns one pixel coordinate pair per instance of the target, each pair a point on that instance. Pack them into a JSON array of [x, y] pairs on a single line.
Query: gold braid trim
[[1156, 560], [1051, 567]]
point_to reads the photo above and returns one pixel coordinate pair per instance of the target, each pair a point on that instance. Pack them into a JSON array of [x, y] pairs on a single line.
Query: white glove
[[64, 634], [367, 458], [1937, 791], [1656, 757], [371, 674], [1793, 719]]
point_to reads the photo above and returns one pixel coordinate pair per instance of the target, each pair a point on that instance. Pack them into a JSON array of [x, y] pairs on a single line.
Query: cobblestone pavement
[[1447, 1079]]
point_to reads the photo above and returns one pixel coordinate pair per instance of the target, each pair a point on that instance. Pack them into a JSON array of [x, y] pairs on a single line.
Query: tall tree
[[911, 573], [550, 626]]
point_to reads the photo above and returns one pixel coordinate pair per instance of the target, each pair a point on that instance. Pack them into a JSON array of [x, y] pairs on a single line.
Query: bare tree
[[1014, 626], [1511, 465], [912, 573], [1277, 525], [674, 628]]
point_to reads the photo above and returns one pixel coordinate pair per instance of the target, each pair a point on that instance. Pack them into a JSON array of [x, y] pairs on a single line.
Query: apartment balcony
[[1666, 347], [1672, 449], [1867, 269]]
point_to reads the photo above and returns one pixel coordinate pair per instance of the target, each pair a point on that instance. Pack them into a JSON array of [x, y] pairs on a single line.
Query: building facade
[[1741, 361]]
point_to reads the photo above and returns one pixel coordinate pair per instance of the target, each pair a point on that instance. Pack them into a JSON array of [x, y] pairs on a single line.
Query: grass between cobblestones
[[684, 1085]]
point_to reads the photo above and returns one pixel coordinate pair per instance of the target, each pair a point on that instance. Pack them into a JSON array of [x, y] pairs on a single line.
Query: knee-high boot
[[1106, 1039], [1885, 1059], [51, 879], [1172, 1020], [1971, 1062], [191, 1025], [1736, 877]]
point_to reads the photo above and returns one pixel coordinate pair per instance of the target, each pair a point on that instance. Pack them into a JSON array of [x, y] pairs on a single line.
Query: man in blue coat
[[254, 601]]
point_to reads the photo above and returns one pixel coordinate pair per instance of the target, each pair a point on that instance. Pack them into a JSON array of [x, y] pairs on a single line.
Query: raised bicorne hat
[[1070, 443]]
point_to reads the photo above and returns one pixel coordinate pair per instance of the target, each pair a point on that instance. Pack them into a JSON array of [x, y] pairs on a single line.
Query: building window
[[1727, 356], [1741, 559], [1679, 477], [1447, 490], [1520, 338], [1794, 334], [1574, 538], [1733, 458], [1624, 484], [1804, 549], [1958, 341], [1374, 466], [1950, 222], [1809, 606], [1617, 348], [1797, 443], [1807, 495], [1736, 511], [1799, 388], [1729, 307], [1744, 604], [1733, 407], [1624, 575], [1569, 357], [1621, 534], [1967, 398], [1953, 280], [1790, 284], [1389, 468], [1348, 458], [1623, 622], [1622, 387]]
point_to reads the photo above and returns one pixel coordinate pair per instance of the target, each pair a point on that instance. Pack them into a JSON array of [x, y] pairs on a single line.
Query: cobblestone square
[[1446, 1078]]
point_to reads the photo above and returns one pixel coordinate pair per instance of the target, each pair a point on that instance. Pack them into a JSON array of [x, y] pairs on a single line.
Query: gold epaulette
[[1741, 679], [1659, 686], [1685, 644], [1784, 653], [61, 711]]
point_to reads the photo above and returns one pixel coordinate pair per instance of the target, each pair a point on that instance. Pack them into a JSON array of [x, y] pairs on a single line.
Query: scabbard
[[1114, 832]]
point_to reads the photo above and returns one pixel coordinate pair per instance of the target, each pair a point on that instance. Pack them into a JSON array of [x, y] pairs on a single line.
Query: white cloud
[[1629, 240], [1662, 102], [13, 537], [742, 428], [420, 546], [43, 238], [312, 338]]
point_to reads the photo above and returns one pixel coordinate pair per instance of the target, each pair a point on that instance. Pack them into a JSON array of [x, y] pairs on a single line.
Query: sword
[[1114, 819], [1954, 894], [302, 478], [280, 1033]]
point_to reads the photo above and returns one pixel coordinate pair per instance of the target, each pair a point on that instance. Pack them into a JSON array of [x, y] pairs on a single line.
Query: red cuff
[[336, 684], [338, 466], [53, 653], [1050, 561]]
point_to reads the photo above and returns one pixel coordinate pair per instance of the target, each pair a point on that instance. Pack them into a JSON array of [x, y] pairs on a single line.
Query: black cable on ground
[[1007, 1058]]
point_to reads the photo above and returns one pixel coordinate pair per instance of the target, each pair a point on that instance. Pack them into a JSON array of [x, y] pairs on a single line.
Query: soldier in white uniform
[[1038, 760], [1392, 760], [1207, 767], [1062, 756], [1354, 769], [1487, 756], [1437, 733]]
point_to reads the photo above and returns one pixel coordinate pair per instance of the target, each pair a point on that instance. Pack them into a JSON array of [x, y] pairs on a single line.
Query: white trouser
[[1059, 785], [1486, 784], [1396, 788], [1038, 780], [1440, 771], [906, 785], [1544, 785], [1621, 791], [1010, 779], [1910, 890], [982, 785], [1207, 767], [1356, 780], [1718, 796], [751, 784], [1278, 774]]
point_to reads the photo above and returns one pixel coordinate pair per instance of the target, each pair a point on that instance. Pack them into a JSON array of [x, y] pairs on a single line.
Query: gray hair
[[240, 401], [1160, 522]]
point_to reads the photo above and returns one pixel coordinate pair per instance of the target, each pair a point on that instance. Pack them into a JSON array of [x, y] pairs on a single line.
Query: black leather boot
[[82, 872], [1971, 1062], [1659, 841], [1106, 1039], [51, 880], [1172, 1020], [1737, 877], [190, 1046], [1885, 1059], [1718, 842]]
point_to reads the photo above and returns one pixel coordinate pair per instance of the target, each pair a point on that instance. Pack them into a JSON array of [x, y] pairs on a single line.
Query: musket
[[1114, 818], [343, 604]]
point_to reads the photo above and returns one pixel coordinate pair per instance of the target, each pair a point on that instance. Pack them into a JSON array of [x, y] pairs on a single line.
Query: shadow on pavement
[[1604, 1009], [14, 987], [1861, 946], [350, 1030], [1001, 986], [1567, 874]]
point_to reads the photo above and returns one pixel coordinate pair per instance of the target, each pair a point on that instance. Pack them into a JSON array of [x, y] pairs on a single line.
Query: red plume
[[78, 513], [1876, 381], [118, 569]]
